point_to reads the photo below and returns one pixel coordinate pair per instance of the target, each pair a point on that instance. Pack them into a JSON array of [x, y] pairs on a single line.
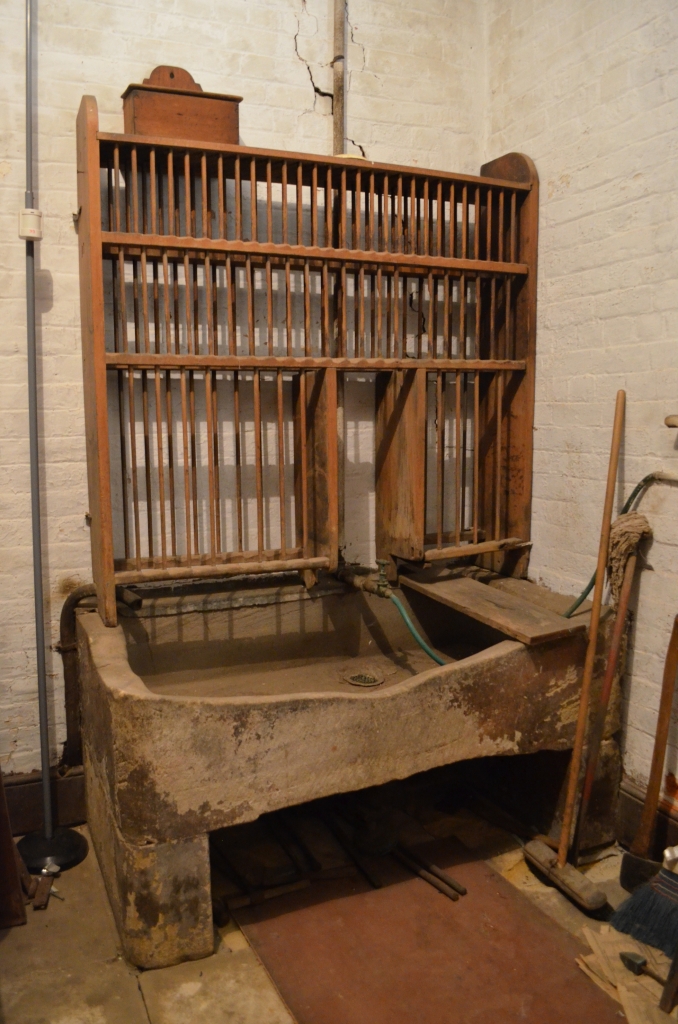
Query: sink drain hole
[[363, 679]]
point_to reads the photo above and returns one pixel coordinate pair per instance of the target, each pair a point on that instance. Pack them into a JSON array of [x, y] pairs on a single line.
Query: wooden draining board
[[509, 614]]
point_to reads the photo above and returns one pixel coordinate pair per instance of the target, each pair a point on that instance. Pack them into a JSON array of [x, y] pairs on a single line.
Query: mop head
[[650, 914]]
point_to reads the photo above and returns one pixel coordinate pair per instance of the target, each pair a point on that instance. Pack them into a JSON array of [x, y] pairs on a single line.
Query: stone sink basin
[[206, 711]]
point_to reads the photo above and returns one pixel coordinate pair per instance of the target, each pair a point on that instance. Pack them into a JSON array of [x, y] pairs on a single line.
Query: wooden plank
[[504, 612], [482, 548], [169, 361], [112, 240], [400, 464], [93, 359]]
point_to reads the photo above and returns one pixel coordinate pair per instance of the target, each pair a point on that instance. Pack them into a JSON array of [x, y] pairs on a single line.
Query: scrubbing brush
[[650, 914]]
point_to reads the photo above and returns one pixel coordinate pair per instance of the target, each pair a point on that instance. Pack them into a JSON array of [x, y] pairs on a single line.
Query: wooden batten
[[316, 465], [172, 105], [512, 465], [94, 359], [400, 464]]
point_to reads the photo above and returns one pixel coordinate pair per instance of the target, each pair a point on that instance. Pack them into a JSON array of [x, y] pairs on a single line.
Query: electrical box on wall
[[30, 225]]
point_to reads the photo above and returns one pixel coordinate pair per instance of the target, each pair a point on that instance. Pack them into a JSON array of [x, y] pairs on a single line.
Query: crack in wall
[[317, 91], [357, 146]]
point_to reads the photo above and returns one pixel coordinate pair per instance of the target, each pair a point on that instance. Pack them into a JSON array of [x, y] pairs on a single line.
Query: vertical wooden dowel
[[238, 199], [464, 222], [253, 200], [161, 467], [209, 426], [250, 304], [256, 383], [147, 461], [133, 461], [499, 385], [194, 460], [285, 228], [238, 457], [215, 457], [281, 461], [187, 467], [476, 225], [304, 463], [513, 242], [188, 211], [440, 456], [307, 309], [170, 462], [314, 204], [288, 307], [269, 307], [476, 452], [221, 198], [458, 462], [300, 204], [500, 228], [205, 215], [269, 201]]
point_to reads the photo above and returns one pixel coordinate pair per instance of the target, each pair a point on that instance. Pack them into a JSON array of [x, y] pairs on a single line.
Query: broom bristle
[[650, 914]]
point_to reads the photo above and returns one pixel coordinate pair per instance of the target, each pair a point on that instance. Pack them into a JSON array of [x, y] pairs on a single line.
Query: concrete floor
[[65, 965]]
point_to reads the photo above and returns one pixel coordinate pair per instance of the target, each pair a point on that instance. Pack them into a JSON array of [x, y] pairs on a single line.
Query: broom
[[650, 914]]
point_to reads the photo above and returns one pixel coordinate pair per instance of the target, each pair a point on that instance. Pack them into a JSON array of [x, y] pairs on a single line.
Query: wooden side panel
[[518, 392], [94, 359], [316, 465], [400, 464]]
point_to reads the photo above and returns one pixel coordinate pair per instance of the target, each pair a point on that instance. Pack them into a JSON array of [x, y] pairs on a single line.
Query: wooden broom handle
[[582, 718], [641, 844]]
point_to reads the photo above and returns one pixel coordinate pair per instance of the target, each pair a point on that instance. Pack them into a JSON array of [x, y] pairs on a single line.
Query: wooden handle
[[598, 726], [575, 761], [641, 844]]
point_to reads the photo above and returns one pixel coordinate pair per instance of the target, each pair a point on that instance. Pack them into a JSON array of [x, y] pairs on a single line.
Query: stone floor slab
[[230, 987], [64, 966]]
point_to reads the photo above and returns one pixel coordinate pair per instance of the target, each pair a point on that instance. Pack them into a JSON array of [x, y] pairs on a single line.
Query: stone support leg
[[160, 892]]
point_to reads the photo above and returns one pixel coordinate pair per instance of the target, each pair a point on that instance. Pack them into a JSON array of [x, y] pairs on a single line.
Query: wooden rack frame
[[226, 290]]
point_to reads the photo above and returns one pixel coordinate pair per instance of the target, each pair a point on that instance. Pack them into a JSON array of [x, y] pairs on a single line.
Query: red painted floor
[[342, 953]]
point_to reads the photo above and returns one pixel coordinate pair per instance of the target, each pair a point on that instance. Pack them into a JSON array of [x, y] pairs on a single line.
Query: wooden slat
[[169, 361], [400, 463], [226, 569], [93, 355], [507, 613], [414, 261]]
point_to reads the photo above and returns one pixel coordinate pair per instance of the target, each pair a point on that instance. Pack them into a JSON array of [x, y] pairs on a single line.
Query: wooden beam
[[94, 359], [168, 361], [114, 240]]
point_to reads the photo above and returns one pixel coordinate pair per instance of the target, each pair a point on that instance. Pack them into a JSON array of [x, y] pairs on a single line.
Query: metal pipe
[[339, 85], [31, 354]]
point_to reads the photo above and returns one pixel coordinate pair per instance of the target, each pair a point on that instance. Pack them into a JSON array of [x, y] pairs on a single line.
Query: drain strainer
[[364, 677]]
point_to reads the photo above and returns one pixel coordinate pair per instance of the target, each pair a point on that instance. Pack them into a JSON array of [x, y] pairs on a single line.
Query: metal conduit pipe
[[50, 849]]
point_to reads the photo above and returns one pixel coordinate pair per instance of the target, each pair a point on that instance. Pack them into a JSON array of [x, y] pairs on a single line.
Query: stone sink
[[206, 711]]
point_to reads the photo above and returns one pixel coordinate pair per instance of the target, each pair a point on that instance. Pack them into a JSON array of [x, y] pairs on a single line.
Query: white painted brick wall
[[590, 91], [415, 97]]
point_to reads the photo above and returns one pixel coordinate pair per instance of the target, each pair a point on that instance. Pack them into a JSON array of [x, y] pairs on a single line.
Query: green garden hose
[[410, 625], [645, 482]]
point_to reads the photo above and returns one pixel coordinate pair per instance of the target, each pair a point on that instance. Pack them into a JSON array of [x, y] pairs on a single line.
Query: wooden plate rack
[[226, 291]]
